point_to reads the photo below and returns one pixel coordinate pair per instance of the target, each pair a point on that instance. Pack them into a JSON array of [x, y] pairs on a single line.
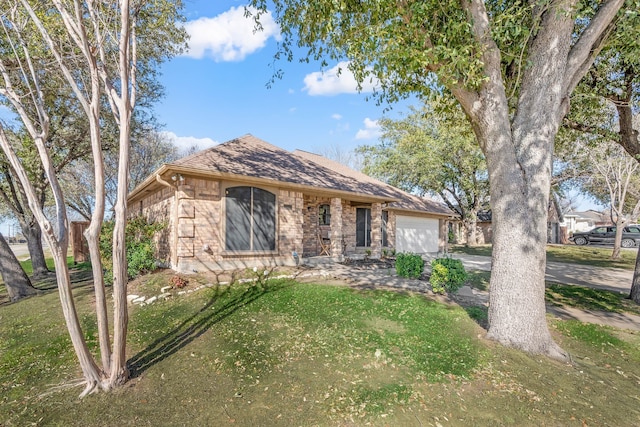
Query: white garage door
[[417, 235]]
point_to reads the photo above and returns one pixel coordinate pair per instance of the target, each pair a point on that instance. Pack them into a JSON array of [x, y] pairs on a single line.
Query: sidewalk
[[617, 280], [609, 279]]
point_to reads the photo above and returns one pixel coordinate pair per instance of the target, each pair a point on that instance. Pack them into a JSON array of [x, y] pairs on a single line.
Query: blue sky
[[218, 90]]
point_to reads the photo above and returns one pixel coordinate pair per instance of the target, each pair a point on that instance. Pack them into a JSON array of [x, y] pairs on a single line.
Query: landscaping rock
[[139, 300]]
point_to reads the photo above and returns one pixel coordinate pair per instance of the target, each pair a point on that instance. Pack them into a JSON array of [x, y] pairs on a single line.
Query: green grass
[[581, 297], [289, 353], [482, 250], [478, 279], [591, 255], [590, 299], [28, 268]]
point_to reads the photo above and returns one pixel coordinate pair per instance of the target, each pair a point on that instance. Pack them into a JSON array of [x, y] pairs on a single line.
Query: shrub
[[409, 265], [140, 247], [447, 275]]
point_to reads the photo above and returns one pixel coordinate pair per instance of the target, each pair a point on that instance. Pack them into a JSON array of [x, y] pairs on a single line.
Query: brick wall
[[158, 207], [195, 226], [349, 227], [311, 227], [290, 223], [376, 230], [391, 230], [201, 228]]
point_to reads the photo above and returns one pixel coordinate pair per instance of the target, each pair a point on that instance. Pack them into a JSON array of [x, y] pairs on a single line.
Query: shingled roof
[[404, 201], [250, 158]]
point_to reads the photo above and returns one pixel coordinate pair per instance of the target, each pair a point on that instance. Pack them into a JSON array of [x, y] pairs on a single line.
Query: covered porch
[[337, 228]]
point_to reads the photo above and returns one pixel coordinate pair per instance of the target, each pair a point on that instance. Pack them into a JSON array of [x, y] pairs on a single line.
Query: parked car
[[605, 235]]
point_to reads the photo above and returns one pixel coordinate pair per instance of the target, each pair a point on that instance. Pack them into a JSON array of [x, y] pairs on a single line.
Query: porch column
[[443, 236], [376, 230], [337, 232]]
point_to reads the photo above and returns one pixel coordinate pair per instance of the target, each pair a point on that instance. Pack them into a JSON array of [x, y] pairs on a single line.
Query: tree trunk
[[635, 283], [15, 279], [519, 159], [471, 226], [517, 311], [33, 235], [617, 242], [94, 377], [124, 104]]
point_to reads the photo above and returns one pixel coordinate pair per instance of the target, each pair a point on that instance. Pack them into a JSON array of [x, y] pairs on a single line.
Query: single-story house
[[247, 203]]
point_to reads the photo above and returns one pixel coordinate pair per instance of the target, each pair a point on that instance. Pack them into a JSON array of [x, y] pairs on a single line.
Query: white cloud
[[336, 80], [371, 130], [336, 116], [229, 36], [186, 142]]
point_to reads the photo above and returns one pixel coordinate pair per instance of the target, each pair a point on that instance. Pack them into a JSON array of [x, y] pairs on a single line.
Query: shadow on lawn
[[80, 280], [199, 323]]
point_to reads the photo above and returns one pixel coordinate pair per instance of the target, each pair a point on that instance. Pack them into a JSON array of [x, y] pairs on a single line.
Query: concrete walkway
[[617, 280]]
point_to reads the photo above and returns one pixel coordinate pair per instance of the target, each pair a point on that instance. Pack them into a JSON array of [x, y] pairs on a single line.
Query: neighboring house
[[556, 232], [585, 221], [247, 203], [485, 227]]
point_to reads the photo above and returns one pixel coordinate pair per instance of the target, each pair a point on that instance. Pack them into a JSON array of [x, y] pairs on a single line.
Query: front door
[[363, 227]]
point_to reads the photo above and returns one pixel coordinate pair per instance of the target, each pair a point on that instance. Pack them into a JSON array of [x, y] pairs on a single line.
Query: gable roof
[[251, 159]]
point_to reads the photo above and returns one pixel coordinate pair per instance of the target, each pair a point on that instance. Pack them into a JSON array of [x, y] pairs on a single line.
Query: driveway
[[610, 279]]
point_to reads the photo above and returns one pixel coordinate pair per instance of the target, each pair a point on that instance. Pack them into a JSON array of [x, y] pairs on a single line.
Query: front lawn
[[290, 353]]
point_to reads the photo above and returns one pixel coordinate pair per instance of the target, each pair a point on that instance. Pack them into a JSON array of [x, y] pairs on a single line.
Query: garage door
[[417, 235]]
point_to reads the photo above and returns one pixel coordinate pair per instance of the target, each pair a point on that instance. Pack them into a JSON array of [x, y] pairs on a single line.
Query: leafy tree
[[67, 138], [512, 67], [606, 102], [432, 151], [100, 42]]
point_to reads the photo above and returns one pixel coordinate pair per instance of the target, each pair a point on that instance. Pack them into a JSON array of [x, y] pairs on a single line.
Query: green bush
[[140, 247], [447, 275], [409, 265]]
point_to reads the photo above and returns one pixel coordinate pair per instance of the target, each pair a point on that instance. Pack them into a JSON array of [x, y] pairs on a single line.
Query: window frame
[[252, 232], [324, 218], [365, 233]]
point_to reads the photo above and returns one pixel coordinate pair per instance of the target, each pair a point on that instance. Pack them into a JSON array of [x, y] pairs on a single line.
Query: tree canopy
[[512, 67], [433, 151]]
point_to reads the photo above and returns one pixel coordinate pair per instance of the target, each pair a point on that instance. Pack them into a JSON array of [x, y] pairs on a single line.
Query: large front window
[[250, 219]]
